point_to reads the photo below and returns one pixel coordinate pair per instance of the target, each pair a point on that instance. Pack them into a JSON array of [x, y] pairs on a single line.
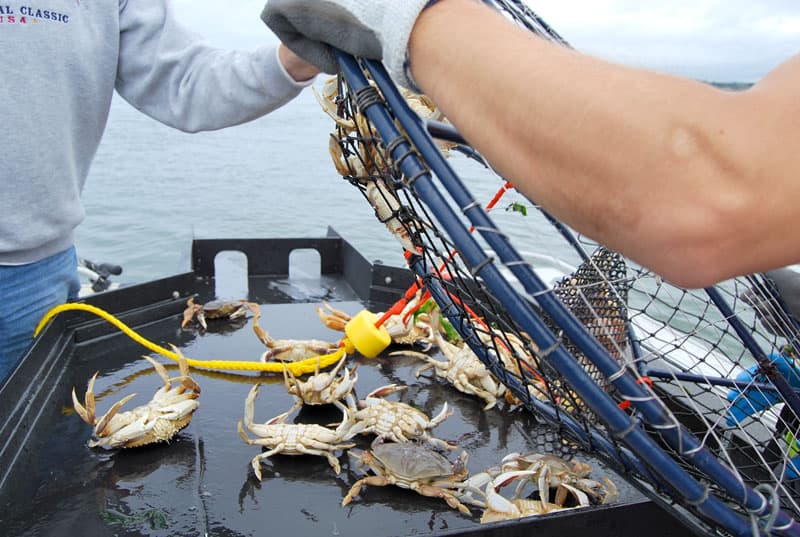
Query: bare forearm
[[657, 167], [298, 69]]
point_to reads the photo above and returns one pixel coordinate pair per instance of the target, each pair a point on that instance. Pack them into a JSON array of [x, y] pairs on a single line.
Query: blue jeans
[[27, 292]]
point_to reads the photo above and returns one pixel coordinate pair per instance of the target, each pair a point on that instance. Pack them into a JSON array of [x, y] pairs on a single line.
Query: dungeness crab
[[289, 438], [323, 388], [216, 309], [393, 420], [168, 412], [414, 467], [290, 350]]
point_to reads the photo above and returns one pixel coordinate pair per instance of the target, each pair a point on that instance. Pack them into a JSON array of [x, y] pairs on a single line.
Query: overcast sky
[[723, 40]]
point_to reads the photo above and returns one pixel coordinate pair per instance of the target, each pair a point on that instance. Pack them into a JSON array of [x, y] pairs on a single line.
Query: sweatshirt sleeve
[[177, 78]]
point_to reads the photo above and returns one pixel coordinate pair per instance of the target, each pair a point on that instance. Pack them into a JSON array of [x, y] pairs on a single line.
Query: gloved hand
[[769, 311], [373, 29]]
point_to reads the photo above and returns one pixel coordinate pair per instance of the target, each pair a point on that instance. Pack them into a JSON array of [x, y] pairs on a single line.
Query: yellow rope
[[302, 367]]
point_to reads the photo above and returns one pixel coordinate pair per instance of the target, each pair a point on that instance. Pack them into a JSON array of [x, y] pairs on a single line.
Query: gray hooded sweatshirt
[[60, 61]]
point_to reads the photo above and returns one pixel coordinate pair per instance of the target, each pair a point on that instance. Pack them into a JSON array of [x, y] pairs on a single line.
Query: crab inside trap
[[201, 482]]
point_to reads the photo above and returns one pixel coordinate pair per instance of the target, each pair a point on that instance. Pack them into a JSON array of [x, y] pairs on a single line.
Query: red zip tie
[[398, 306], [624, 405], [424, 298]]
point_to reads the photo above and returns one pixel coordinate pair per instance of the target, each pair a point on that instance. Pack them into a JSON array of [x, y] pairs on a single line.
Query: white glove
[[373, 29]]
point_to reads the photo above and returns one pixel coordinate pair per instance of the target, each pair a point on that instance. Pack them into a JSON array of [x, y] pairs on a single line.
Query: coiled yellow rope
[[302, 367]]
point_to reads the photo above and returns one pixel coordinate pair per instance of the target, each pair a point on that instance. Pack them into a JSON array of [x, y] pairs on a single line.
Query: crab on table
[[462, 368], [395, 421], [403, 328], [411, 466], [554, 481], [499, 508], [289, 438], [323, 388], [567, 477], [216, 309], [290, 350], [169, 411]]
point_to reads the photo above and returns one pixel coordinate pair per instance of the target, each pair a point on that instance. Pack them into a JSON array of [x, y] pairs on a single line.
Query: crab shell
[[499, 508], [395, 421], [414, 467], [569, 478], [462, 368], [289, 438], [159, 420], [323, 388], [290, 350], [216, 309]]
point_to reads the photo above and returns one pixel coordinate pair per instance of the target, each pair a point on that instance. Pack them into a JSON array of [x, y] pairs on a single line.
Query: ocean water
[[152, 189]]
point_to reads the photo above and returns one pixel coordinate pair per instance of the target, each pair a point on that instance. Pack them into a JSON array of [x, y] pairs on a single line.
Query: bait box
[[201, 483]]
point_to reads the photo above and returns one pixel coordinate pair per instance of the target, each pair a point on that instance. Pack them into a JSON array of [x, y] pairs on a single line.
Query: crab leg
[[355, 490], [191, 311], [437, 492], [564, 489], [86, 413], [101, 429], [383, 391], [333, 319]]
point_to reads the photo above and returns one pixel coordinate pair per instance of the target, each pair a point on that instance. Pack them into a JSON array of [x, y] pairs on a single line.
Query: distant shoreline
[[732, 86]]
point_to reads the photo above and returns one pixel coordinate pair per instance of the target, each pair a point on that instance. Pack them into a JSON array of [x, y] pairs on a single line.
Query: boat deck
[[201, 483]]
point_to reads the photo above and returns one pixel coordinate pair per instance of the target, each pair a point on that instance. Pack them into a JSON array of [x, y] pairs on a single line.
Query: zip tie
[[482, 265], [774, 504], [624, 405], [625, 432], [366, 97]]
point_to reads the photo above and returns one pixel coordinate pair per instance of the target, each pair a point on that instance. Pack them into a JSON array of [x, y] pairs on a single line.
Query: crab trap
[[201, 482], [690, 394]]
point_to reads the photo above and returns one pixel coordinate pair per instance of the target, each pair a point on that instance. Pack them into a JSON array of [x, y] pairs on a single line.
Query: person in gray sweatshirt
[[62, 63]]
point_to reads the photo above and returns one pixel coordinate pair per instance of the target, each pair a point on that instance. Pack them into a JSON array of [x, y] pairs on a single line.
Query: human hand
[[299, 69], [374, 29]]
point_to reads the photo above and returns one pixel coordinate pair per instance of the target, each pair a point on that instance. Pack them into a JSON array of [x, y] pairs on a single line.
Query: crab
[[331, 102], [462, 368], [216, 309], [289, 438], [567, 477], [290, 350], [323, 388], [169, 411], [548, 473], [499, 508], [403, 328], [395, 421], [388, 210], [414, 467]]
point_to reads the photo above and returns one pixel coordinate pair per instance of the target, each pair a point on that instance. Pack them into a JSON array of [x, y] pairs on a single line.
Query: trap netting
[[691, 394], [685, 353]]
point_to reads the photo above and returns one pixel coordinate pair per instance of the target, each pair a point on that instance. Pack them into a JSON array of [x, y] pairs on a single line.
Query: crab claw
[[191, 311], [101, 428], [561, 495], [507, 477], [383, 391], [86, 412], [497, 507], [441, 416], [333, 318]]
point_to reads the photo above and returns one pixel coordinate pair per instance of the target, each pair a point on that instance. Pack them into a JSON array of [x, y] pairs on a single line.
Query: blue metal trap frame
[[650, 459]]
